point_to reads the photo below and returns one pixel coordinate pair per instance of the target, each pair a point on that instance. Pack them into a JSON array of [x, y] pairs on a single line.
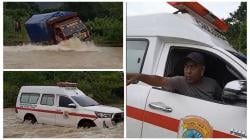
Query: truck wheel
[[30, 118], [86, 124]]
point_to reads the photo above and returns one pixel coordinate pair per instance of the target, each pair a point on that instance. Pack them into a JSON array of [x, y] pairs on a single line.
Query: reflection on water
[[17, 129]]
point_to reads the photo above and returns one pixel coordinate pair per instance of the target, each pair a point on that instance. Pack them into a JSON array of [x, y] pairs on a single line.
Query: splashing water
[[73, 44], [18, 129], [70, 53]]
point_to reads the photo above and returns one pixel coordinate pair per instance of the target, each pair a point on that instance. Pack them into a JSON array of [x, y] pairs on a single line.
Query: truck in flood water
[[54, 27]]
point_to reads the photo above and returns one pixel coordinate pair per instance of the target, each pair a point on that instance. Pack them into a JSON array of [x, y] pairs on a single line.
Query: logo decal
[[65, 114], [194, 127]]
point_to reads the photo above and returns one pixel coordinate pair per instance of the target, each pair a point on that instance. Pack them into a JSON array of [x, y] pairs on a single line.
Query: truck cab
[[67, 27], [156, 45], [54, 27]]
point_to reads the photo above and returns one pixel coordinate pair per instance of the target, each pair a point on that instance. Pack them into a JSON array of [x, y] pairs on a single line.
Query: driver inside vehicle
[[193, 83]]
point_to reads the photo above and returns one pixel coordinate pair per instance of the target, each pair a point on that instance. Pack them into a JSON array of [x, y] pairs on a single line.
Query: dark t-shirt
[[207, 88]]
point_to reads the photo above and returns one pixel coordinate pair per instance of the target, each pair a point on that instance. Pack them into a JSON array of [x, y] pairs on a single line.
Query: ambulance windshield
[[242, 57], [85, 101]]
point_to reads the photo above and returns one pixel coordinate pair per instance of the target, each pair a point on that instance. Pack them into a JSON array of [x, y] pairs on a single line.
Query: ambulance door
[[65, 117], [165, 110], [136, 99], [172, 115], [136, 54], [46, 112], [140, 58]]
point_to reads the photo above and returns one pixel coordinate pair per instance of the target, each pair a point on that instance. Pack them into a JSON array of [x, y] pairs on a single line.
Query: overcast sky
[[220, 9]]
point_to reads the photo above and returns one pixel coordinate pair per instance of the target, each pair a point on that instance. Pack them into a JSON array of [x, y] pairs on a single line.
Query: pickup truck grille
[[118, 117]]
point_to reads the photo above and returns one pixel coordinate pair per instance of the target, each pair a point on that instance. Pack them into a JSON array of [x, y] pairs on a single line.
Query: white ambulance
[[157, 45], [64, 105]]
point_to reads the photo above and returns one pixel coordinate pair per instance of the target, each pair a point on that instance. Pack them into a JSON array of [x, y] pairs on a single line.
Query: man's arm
[[152, 80]]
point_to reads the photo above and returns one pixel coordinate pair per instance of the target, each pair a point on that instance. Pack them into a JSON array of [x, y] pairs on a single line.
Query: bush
[[106, 30], [10, 36], [98, 85]]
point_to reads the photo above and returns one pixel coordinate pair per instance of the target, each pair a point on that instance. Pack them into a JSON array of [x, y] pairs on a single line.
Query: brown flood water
[[72, 54], [18, 129]]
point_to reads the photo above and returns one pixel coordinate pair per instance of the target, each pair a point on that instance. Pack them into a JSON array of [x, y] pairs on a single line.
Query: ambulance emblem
[[65, 114], [194, 127]]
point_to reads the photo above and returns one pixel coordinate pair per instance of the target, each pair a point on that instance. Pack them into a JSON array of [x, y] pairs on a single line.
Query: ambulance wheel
[[31, 118], [86, 123]]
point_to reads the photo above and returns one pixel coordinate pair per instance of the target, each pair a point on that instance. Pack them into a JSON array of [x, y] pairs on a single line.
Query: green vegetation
[[104, 19], [13, 12], [106, 31], [237, 33], [98, 85]]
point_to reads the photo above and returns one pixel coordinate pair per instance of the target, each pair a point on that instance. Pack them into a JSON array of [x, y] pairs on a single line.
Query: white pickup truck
[[156, 45], [64, 105]]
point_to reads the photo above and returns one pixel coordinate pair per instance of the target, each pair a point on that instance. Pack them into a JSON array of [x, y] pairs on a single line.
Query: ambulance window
[[242, 57], [25, 98], [216, 68], [136, 51], [47, 99], [85, 101], [34, 98], [64, 101], [30, 98]]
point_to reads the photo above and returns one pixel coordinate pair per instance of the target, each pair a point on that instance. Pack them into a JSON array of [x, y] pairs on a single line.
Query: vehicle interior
[[216, 68]]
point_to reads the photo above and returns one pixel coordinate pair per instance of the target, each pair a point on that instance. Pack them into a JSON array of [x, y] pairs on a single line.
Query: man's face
[[193, 72]]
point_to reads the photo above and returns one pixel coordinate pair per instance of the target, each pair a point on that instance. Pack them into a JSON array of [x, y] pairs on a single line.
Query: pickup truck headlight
[[103, 115]]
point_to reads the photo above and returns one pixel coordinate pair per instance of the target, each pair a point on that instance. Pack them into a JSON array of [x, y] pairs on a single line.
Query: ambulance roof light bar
[[198, 9], [66, 84]]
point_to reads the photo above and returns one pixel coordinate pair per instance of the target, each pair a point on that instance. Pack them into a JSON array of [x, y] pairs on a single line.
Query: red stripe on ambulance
[[164, 121], [56, 112]]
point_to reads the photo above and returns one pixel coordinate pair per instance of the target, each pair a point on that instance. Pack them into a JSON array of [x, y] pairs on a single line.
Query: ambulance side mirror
[[235, 91], [72, 105]]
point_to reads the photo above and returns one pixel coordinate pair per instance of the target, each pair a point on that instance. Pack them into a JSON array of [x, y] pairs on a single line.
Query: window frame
[[30, 94], [65, 97], [145, 53], [46, 100], [205, 51]]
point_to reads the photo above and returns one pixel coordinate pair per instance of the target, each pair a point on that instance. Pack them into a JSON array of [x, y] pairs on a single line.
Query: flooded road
[[17, 129], [72, 54]]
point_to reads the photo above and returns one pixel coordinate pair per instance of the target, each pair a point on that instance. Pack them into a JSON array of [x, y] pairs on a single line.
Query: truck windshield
[[75, 27], [85, 101]]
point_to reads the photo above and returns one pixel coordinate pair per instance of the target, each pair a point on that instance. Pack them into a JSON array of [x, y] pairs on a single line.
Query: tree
[[27, 8], [237, 32], [98, 85], [13, 12]]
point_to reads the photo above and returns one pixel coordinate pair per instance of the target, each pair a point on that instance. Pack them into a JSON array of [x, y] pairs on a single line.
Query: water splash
[[73, 44], [18, 129]]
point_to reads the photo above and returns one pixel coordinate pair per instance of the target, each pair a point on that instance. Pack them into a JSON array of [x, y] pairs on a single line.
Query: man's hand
[[132, 77], [152, 80]]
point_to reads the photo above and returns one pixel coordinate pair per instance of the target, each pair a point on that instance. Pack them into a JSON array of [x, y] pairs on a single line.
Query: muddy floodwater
[[68, 54], [17, 129]]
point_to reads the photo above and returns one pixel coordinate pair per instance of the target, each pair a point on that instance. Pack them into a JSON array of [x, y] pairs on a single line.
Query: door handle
[[160, 106]]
